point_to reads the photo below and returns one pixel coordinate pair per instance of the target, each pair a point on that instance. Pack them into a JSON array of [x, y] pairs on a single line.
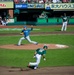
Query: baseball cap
[[25, 26], [45, 46]]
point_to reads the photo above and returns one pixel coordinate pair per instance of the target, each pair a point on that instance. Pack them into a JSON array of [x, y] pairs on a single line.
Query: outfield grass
[[36, 29], [55, 57]]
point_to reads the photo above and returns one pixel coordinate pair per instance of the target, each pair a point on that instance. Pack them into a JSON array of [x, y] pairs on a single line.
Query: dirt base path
[[38, 33], [40, 71]]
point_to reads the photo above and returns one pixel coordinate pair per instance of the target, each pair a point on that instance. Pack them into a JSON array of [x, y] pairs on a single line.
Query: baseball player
[[26, 33], [4, 21], [65, 22], [38, 53]]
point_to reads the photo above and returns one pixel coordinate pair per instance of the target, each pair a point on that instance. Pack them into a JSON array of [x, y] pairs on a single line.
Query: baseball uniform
[[38, 53], [26, 33], [65, 22]]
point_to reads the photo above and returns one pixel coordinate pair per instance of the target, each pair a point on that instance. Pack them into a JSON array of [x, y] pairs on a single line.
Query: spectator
[[8, 16], [34, 1], [41, 1], [47, 1], [66, 1], [70, 1], [4, 22], [47, 6], [0, 20], [16, 1], [24, 1], [29, 1], [56, 1], [43, 15]]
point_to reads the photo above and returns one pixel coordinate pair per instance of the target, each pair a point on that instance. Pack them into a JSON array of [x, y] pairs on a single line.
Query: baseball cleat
[[28, 66], [18, 45], [37, 43], [35, 68]]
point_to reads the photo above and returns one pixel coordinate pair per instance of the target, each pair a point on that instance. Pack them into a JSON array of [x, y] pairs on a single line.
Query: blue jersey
[[26, 32]]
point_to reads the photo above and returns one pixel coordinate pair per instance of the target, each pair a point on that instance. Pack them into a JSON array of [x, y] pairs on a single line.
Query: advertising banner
[[10, 20], [60, 6], [21, 6], [36, 6], [6, 5]]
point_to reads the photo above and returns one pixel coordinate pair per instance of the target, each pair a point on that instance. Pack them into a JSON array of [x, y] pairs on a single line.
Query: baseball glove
[[21, 33]]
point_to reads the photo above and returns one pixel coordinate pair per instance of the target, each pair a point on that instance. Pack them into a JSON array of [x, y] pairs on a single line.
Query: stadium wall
[[31, 16], [40, 21]]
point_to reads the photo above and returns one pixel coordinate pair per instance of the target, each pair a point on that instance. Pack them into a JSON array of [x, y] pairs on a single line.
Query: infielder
[[65, 22], [26, 33], [38, 53]]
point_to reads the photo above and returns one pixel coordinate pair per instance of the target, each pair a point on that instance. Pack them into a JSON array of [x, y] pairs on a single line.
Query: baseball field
[[59, 61]]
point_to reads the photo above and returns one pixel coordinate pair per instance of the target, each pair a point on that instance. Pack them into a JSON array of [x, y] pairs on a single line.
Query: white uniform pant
[[64, 26], [26, 38], [38, 58]]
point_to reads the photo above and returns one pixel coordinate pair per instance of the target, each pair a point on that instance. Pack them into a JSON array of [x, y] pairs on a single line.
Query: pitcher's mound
[[33, 47]]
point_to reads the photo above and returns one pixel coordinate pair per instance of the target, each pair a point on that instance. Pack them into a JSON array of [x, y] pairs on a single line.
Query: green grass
[[14, 58], [36, 29], [56, 57]]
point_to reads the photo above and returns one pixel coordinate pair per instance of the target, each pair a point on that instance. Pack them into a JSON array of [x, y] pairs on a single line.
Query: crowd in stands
[[3, 21], [42, 1], [5, 0]]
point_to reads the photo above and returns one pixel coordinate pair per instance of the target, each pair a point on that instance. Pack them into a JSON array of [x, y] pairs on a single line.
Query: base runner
[[38, 53]]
